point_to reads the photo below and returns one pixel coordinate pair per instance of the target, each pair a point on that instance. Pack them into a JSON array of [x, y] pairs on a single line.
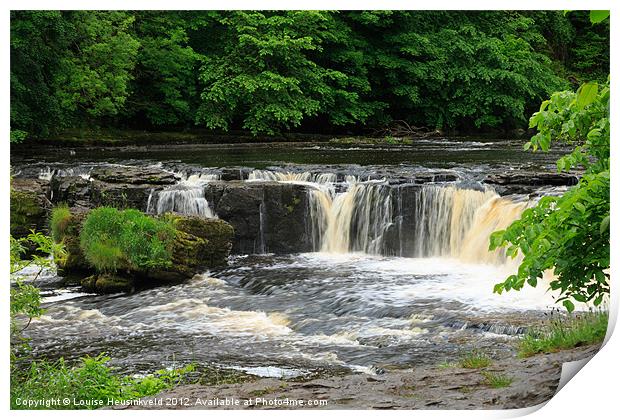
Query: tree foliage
[[569, 234], [272, 71], [25, 302]]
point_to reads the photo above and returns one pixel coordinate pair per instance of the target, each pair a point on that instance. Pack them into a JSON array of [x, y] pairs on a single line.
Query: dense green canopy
[[267, 72]]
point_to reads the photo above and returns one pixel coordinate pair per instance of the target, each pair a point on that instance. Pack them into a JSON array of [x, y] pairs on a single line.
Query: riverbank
[[84, 138], [532, 381]]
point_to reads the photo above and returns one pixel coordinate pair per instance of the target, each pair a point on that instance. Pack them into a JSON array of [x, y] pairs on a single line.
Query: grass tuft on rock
[[59, 220], [474, 360], [565, 333], [113, 239], [497, 380]]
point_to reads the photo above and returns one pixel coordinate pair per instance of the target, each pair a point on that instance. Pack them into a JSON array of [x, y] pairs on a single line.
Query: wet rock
[[199, 244], [121, 196], [216, 233], [72, 190], [535, 381], [234, 173], [73, 262], [423, 178], [509, 183], [133, 175], [107, 283], [120, 187], [398, 238], [29, 206], [266, 216]]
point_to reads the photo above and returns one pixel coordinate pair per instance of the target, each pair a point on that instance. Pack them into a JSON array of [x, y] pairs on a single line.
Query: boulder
[[121, 196], [508, 183], [121, 187], [199, 244], [108, 283], [71, 190], [266, 216], [29, 206], [216, 233], [73, 262]]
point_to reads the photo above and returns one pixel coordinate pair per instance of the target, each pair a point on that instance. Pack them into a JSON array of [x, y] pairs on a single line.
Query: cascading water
[[297, 177], [353, 220], [187, 197], [449, 221], [356, 216]]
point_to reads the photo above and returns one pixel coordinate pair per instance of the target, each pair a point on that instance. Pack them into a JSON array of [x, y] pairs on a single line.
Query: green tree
[[165, 85], [274, 71], [94, 76], [463, 70], [260, 69], [568, 234], [39, 40]]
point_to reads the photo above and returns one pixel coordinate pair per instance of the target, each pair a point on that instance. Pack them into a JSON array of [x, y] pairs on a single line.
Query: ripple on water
[[305, 311]]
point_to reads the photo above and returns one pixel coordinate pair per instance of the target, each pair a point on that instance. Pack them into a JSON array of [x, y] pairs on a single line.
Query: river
[[376, 292]]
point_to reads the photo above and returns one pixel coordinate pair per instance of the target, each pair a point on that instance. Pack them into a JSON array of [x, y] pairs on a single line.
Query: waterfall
[[353, 220], [448, 221], [182, 200], [371, 216], [47, 173], [187, 197], [296, 177], [443, 216], [495, 214]]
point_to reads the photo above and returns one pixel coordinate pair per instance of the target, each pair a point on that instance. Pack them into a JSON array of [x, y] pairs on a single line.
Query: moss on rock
[[29, 206], [197, 244], [107, 283], [216, 233], [73, 262]]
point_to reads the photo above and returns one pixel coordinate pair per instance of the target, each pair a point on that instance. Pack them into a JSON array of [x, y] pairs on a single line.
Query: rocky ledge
[[518, 183], [534, 381]]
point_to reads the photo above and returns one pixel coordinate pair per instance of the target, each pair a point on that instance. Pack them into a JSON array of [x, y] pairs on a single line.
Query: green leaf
[[580, 207], [570, 306], [597, 16], [498, 288], [604, 225], [586, 94]]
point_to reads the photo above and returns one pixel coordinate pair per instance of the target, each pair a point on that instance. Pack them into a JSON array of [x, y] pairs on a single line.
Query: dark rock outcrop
[[508, 183], [107, 283], [29, 206], [121, 187], [74, 191], [133, 175], [266, 216], [73, 261], [216, 233]]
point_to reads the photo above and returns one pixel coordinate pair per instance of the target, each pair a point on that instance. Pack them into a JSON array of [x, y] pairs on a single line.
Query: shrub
[[59, 220], [565, 333], [112, 239], [90, 380]]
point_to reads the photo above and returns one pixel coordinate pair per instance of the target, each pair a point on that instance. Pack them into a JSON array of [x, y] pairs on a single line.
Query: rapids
[[400, 272]]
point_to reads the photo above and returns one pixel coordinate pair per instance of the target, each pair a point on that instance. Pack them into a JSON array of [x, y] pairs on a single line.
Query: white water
[[186, 197], [449, 221]]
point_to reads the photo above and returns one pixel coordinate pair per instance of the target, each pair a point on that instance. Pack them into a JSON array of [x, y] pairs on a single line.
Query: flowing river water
[[361, 301]]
